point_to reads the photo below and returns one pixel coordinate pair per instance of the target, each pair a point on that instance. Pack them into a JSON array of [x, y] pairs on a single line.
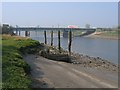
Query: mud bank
[[104, 35], [75, 58], [96, 62]]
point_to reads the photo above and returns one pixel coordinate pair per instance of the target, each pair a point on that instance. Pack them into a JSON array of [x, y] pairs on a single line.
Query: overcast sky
[[97, 14]]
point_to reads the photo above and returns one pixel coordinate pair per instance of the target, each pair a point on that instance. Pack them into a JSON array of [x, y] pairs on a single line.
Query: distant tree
[[6, 29], [87, 25]]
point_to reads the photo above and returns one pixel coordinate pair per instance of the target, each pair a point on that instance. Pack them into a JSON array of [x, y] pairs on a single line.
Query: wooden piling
[[26, 33], [45, 37], [70, 42], [51, 38], [59, 47]]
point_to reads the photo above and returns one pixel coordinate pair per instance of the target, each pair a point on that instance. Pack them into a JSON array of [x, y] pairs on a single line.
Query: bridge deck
[[51, 29]]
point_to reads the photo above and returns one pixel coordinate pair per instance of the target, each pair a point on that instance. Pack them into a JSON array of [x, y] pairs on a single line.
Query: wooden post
[[26, 33], [70, 41], [45, 37], [51, 38], [59, 47]]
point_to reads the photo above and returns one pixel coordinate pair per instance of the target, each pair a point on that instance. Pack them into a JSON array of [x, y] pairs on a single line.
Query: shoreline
[[94, 62], [79, 59], [103, 37], [37, 66], [100, 35]]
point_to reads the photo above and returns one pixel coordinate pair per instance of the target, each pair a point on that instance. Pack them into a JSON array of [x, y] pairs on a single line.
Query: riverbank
[[46, 73], [106, 35], [78, 59], [16, 69], [80, 71]]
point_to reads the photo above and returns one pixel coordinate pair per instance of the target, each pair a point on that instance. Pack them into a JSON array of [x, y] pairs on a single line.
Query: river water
[[96, 47]]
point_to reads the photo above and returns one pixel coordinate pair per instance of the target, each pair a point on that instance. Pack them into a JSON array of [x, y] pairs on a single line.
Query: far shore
[[102, 36]]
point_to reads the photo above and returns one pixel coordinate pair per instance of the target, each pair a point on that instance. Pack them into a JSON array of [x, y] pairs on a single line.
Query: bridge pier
[[65, 34], [16, 32], [19, 32], [27, 33]]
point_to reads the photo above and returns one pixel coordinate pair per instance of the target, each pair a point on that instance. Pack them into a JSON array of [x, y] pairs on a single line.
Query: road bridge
[[65, 30]]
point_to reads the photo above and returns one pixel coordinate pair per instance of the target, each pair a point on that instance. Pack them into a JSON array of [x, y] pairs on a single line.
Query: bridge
[[65, 30]]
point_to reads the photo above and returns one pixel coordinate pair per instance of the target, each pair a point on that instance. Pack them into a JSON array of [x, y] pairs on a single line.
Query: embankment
[[105, 35], [15, 71], [53, 53]]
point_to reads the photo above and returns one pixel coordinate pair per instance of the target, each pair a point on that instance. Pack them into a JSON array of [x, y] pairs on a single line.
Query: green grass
[[14, 69]]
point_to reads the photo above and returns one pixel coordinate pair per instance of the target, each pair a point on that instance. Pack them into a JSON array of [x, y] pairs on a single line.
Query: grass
[[15, 71]]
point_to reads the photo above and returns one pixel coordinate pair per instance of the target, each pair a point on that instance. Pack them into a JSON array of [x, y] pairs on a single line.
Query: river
[[96, 47]]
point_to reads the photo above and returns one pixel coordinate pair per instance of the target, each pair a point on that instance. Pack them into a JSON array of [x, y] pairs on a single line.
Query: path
[[48, 73]]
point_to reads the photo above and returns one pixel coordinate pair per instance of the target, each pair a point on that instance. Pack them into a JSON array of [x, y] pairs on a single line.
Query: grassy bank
[[14, 69]]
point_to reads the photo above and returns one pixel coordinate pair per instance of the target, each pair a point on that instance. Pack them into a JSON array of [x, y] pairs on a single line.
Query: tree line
[[6, 29]]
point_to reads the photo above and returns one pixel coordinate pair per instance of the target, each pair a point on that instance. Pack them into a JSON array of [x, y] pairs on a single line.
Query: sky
[[97, 14]]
